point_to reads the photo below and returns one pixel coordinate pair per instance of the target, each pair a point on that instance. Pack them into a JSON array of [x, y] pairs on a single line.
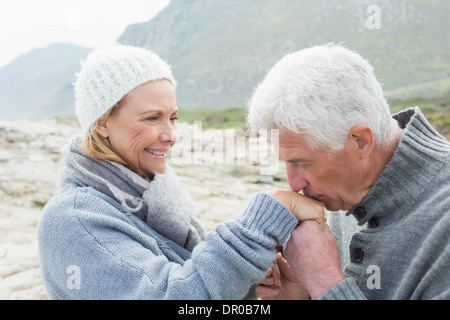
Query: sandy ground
[[29, 162]]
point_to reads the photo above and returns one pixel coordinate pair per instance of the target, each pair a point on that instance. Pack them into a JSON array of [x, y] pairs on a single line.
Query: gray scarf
[[161, 203]]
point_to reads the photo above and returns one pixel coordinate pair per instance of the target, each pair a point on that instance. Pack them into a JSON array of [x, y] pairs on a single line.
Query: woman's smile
[[158, 153]]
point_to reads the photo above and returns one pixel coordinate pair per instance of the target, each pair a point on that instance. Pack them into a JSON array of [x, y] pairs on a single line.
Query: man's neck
[[382, 156]]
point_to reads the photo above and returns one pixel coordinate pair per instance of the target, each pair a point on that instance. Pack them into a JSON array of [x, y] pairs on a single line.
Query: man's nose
[[297, 180]]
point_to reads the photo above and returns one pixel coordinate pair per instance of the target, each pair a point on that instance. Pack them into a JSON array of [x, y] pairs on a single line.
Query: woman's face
[[143, 128]]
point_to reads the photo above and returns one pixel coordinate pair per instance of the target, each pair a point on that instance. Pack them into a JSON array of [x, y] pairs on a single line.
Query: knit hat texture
[[108, 74]]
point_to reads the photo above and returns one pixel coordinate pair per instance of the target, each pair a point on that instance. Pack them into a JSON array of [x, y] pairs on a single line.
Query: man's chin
[[332, 206]]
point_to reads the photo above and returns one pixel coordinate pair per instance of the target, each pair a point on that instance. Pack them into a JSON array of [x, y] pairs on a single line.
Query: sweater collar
[[416, 162], [161, 203]]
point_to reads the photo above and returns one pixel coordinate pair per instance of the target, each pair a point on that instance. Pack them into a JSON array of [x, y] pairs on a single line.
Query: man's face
[[332, 178]]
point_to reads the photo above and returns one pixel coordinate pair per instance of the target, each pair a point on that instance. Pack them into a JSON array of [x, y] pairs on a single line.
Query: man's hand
[[313, 254]]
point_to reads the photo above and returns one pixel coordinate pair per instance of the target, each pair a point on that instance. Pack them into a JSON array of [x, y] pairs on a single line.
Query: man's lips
[[319, 198], [315, 197]]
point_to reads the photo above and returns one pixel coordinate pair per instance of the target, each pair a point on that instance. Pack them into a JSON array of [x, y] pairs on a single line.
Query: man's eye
[[303, 164], [300, 164]]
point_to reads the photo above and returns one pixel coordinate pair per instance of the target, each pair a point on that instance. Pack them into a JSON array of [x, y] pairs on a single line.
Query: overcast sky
[[29, 24]]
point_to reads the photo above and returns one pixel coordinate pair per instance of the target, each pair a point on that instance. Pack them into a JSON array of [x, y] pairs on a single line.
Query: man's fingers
[[267, 281], [267, 292]]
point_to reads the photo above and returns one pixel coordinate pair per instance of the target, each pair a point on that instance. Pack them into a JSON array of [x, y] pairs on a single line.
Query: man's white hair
[[322, 92]]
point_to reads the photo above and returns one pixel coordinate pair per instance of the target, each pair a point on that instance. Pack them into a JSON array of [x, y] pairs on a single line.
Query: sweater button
[[357, 255], [373, 223], [359, 213]]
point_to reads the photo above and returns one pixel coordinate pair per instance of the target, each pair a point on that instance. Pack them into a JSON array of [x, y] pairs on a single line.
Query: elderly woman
[[122, 226]]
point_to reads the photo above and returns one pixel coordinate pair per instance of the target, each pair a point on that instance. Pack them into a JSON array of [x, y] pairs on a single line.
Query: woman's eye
[[153, 118], [174, 119]]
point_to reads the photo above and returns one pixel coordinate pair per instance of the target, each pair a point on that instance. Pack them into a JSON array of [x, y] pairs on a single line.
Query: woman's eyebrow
[[156, 111], [152, 112]]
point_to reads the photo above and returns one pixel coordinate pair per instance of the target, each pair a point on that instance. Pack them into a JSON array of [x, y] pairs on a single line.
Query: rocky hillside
[[220, 50], [39, 84]]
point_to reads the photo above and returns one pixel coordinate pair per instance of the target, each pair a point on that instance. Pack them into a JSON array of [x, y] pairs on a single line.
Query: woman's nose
[[169, 133]]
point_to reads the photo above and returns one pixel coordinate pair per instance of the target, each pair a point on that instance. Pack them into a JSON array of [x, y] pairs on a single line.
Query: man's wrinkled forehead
[[292, 143]]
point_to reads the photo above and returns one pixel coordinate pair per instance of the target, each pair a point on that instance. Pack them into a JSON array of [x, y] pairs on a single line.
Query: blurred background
[[219, 51]]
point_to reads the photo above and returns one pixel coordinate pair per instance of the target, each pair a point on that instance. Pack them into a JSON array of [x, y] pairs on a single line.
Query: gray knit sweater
[[395, 243]]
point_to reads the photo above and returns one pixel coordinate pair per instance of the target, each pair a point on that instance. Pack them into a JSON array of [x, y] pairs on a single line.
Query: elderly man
[[385, 179]]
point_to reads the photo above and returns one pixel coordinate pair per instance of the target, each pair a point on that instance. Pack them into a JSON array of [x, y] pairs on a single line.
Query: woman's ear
[[101, 126]]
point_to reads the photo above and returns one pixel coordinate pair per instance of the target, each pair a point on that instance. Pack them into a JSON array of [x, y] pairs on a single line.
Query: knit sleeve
[[239, 252], [104, 256], [234, 256], [344, 290]]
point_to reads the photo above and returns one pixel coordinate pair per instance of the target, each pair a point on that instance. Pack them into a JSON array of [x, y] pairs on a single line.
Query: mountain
[[220, 50], [38, 84]]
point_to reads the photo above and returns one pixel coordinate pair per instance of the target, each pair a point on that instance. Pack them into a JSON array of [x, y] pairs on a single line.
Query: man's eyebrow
[[295, 160]]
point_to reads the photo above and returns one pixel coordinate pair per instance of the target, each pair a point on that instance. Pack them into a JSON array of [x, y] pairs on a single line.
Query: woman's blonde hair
[[99, 147]]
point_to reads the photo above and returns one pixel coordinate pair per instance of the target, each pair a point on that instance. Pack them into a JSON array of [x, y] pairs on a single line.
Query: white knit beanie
[[108, 74]]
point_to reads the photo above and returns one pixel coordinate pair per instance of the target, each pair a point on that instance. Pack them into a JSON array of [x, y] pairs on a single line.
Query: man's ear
[[101, 126], [363, 138]]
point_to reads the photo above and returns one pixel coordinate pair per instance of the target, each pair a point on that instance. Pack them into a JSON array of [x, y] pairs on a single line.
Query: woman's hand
[[281, 283], [302, 207]]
